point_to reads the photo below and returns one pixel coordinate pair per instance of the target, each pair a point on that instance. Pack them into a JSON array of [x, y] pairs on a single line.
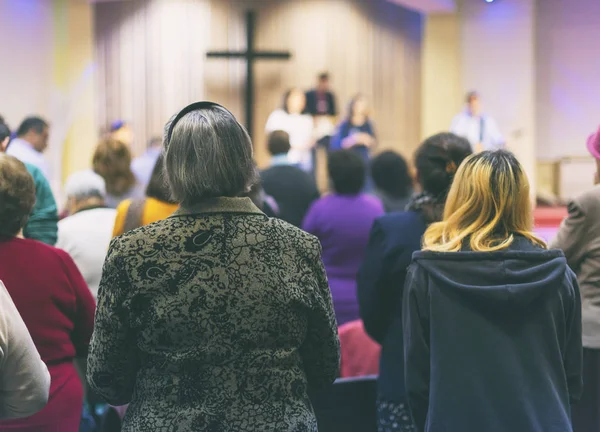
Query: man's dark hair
[[347, 172], [324, 76], [158, 186], [4, 131], [471, 95], [390, 174], [36, 124], [278, 142]]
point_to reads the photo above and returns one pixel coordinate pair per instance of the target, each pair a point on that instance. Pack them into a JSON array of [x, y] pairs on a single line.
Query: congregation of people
[[185, 290]]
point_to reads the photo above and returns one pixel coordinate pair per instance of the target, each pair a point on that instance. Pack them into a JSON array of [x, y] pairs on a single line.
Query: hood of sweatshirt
[[514, 277]]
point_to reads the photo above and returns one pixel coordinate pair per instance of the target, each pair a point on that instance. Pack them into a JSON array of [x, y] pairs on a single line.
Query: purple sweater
[[342, 223]]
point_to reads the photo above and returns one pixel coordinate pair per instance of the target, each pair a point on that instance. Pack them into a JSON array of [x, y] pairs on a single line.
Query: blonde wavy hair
[[488, 204]]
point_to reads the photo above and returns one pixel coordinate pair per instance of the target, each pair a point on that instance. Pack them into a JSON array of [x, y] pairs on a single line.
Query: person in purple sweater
[[342, 222]]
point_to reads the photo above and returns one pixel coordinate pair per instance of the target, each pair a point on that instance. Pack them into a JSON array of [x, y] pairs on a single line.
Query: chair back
[[360, 353]]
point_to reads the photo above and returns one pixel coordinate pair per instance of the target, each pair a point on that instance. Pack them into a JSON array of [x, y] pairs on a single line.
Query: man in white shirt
[[86, 233], [480, 129], [30, 143]]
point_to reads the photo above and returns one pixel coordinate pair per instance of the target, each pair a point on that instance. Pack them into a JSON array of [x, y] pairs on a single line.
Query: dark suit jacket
[[293, 189], [579, 238], [394, 238], [311, 104], [217, 318]]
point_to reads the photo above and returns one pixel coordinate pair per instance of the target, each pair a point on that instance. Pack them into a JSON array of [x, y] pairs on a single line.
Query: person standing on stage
[[356, 132], [299, 126], [480, 129], [320, 101]]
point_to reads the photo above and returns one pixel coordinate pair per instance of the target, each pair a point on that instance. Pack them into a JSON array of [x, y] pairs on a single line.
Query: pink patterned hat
[[593, 144]]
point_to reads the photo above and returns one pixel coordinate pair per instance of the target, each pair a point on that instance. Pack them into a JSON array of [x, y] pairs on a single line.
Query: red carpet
[[549, 217]]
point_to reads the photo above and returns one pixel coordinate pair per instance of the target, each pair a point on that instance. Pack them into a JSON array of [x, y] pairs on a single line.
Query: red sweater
[[58, 309]]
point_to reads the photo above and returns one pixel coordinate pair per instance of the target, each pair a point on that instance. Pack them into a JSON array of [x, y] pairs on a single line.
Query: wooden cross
[[250, 55]]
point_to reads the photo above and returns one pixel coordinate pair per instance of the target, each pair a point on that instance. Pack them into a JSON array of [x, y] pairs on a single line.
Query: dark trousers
[[586, 413]]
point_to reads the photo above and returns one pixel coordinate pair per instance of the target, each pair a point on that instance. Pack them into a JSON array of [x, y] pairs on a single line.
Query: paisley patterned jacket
[[215, 319]]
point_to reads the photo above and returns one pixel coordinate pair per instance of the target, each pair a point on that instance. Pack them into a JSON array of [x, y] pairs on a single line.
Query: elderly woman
[[216, 318], [52, 298]]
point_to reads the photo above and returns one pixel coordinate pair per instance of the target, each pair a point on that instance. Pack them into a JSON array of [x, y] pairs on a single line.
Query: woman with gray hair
[[217, 318]]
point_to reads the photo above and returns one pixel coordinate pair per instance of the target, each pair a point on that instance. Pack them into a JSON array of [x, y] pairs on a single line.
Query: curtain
[[152, 60]]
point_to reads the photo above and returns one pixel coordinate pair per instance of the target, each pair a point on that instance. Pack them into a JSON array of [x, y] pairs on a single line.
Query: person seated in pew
[[86, 233], [293, 189], [52, 298], [42, 224], [393, 239], [492, 318], [112, 161], [158, 203], [392, 182], [579, 239], [341, 221]]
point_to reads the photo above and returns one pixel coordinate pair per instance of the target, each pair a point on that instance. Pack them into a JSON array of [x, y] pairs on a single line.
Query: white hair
[[83, 185]]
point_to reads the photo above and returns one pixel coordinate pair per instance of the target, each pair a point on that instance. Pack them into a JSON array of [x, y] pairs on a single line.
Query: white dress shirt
[[25, 152], [469, 127], [86, 236], [300, 129]]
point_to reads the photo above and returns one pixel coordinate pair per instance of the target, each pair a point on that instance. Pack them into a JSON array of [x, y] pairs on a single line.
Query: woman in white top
[[299, 127], [24, 378]]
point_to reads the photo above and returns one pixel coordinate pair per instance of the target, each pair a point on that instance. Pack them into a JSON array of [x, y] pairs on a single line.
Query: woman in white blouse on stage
[[299, 127]]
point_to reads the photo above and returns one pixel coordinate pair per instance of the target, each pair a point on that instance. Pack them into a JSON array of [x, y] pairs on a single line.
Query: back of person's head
[[488, 204], [85, 185], [358, 105], [278, 142], [112, 161], [471, 96], [347, 172], [294, 101], [35, 124], [17, 196], [390, 174], [158, 186], [155, 142], [437, 160], [208, 154], [4, 135]]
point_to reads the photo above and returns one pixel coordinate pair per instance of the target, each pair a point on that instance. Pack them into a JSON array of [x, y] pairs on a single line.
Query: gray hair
[[209, 155], [84, 185]]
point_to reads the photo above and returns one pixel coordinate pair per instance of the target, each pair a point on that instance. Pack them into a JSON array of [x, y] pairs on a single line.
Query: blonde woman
[[492, 319]]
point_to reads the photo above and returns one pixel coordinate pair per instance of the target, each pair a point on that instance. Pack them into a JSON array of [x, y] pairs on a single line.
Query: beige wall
[[491, 49], [26, 49], [47, 70], [441, 80], [75, 78], [498, 60], [568, 76]]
